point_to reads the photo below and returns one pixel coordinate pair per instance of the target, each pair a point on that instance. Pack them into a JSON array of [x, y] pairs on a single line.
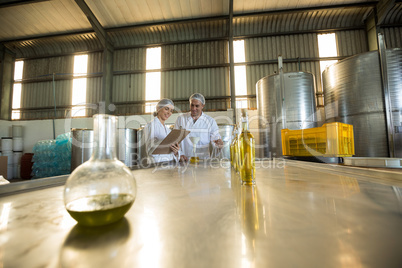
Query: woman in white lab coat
[[156, 130]]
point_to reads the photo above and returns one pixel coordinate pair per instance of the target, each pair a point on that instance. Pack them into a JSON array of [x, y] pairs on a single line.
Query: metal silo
[[353, 94], [127, 146], [290, 104]]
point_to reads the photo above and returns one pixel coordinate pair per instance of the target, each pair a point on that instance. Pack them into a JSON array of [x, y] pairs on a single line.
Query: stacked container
[[52, 157], [7, 150]]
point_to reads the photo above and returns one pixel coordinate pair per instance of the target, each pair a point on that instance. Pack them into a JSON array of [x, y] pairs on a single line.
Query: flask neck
[[105, 127], [244, 123]]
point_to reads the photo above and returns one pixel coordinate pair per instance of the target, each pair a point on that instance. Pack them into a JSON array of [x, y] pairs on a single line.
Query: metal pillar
[[231, 63], [108, 50], [7, 60], [387, 97]]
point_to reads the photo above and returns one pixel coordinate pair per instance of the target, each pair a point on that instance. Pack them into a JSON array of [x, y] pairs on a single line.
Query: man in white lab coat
[[200, 125]]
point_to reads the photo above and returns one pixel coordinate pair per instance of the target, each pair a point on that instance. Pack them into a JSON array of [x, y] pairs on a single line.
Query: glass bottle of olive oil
[[237, 153], [233, 158], [101, 190], [246, 152]]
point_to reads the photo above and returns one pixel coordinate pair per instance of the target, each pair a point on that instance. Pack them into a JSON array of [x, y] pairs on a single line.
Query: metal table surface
[[297, 215]]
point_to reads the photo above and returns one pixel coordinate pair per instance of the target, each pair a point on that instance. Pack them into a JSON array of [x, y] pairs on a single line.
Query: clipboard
[[176, 135]]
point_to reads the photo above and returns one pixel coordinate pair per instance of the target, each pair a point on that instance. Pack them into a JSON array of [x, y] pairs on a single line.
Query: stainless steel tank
[[81, 147], [128, 146], [353, 94], [142, 152], [295, 108]]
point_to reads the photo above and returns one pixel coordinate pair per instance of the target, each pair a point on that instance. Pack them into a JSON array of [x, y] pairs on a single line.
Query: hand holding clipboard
[[175, 136]]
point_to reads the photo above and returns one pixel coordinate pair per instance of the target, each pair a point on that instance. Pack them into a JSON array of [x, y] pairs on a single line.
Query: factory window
[[240, 74], [79, 86], [19, 66], [327, 48], [153, 78]]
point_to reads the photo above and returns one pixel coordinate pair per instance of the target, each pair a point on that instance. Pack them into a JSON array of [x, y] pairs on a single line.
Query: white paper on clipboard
[[175, 136]]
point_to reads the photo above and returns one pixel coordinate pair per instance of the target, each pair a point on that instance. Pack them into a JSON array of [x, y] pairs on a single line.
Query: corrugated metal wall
[[56, 45], [169, 32], [194, 54], [300, 21], [94, 84], [38, 99], [128, 93], [184, 69], [351, 42], [256, 72], [303, 47], [37, 68], [289, 46], [129, 80], [37, 89], [392, 36], [199, 66], [211, 82]]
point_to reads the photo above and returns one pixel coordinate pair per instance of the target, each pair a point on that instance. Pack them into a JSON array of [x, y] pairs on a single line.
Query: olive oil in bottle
[[246, 152], [100, 209], [233, 145]]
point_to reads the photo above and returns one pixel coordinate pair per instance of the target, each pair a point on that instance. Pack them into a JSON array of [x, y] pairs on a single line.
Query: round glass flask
[[101, 190]]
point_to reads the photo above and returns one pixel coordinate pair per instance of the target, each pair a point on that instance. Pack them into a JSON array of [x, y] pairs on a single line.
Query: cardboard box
[[3, 166]]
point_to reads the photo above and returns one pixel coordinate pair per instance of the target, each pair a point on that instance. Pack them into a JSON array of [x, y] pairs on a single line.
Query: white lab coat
[[205, 127], [154, 133]]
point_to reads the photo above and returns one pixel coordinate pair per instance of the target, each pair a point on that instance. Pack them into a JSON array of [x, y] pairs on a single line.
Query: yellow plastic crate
[[330, 140]]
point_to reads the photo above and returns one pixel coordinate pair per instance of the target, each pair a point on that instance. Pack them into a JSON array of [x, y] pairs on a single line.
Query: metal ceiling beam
[[340, 29], [171, 22], [307, 9], [225, 17], [99, 30], [223, 38], [47, 36], [108, 50], [10, 3], [116, 29]]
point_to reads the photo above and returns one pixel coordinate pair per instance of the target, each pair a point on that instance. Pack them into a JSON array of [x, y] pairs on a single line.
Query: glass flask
[[101, 190], [194, 159]]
